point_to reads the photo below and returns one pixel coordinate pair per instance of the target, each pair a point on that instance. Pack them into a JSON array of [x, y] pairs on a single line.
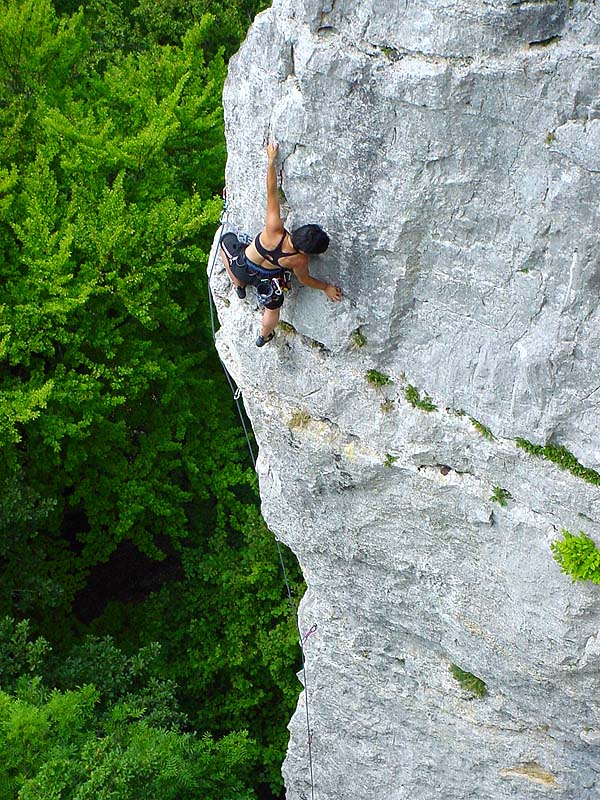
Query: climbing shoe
[[261, 341], [240, 291]]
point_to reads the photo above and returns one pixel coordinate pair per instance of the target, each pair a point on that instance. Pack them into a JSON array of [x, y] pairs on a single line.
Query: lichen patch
[[532, 772]]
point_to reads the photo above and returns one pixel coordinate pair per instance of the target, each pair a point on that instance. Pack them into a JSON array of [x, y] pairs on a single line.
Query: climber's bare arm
[[306, 279], [274, 225]]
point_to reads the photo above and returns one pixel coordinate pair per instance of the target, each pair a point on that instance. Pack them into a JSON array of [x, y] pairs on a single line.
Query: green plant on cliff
[[376, 378], [413, 396], [286, 328], [562, 457], [392, 53], [481, 428], [500, 495], [358, 339], [578, 556], [468, 681]]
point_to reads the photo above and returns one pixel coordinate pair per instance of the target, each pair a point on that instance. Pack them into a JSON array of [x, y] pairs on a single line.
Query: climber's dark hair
[[310, 239]]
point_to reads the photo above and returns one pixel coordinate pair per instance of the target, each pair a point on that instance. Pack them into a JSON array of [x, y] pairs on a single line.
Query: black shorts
[[235, 253]]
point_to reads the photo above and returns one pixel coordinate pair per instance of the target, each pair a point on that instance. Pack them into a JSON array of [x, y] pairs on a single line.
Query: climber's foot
[[240, 291], [262, 340]]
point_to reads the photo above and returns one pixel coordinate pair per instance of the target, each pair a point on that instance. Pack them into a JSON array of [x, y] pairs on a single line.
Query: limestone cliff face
[[452, 150]]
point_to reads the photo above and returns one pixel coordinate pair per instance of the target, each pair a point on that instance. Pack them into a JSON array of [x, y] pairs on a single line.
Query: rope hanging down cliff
[[236, 392]]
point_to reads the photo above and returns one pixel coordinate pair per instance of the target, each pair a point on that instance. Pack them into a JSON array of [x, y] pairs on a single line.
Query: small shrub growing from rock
[[468, 681], [425, 403], [377, 378], [500, 495], [578, 556], [481, 428], [562, 457], [358, 339], [391, 53]]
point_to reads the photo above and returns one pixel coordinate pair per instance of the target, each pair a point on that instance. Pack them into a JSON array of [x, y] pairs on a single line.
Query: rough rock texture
[[452, 150]]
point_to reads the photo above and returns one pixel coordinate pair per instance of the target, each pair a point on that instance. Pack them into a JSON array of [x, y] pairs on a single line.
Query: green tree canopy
[[116, 426], [119, 738], [109, 407]]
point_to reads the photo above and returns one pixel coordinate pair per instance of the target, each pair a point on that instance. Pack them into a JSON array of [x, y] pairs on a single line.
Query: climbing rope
[[236, 392]]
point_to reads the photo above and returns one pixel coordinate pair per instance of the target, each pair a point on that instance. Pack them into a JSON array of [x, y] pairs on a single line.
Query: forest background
[[147, 648]]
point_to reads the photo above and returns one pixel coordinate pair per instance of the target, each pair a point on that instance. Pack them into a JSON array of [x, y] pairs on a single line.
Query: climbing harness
[[267, 288], [236, 392]]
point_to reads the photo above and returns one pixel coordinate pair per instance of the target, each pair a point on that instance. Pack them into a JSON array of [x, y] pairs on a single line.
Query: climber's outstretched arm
[[274, 225], [306, 279]]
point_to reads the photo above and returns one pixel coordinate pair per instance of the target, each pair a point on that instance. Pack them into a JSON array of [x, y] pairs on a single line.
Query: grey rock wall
[[452, 150]]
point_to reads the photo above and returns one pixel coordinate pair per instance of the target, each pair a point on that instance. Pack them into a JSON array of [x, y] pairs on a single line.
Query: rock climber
[[268, 261]]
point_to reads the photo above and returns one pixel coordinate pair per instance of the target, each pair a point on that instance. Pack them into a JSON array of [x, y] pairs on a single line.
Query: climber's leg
[[270, 319], [234, 280], [231, 248]]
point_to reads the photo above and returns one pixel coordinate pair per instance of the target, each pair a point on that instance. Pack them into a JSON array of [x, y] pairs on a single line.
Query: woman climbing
[[268, 261]]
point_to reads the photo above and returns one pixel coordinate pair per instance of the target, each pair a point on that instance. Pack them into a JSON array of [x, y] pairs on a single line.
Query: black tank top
[[273, 256]]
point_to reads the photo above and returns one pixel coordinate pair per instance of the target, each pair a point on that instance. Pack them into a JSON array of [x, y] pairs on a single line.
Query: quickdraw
[[308, 634]]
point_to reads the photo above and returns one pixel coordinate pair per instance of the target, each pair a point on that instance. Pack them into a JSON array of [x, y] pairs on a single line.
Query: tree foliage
[[108, 401], [227, 634], [115, 423], [117, 735]]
